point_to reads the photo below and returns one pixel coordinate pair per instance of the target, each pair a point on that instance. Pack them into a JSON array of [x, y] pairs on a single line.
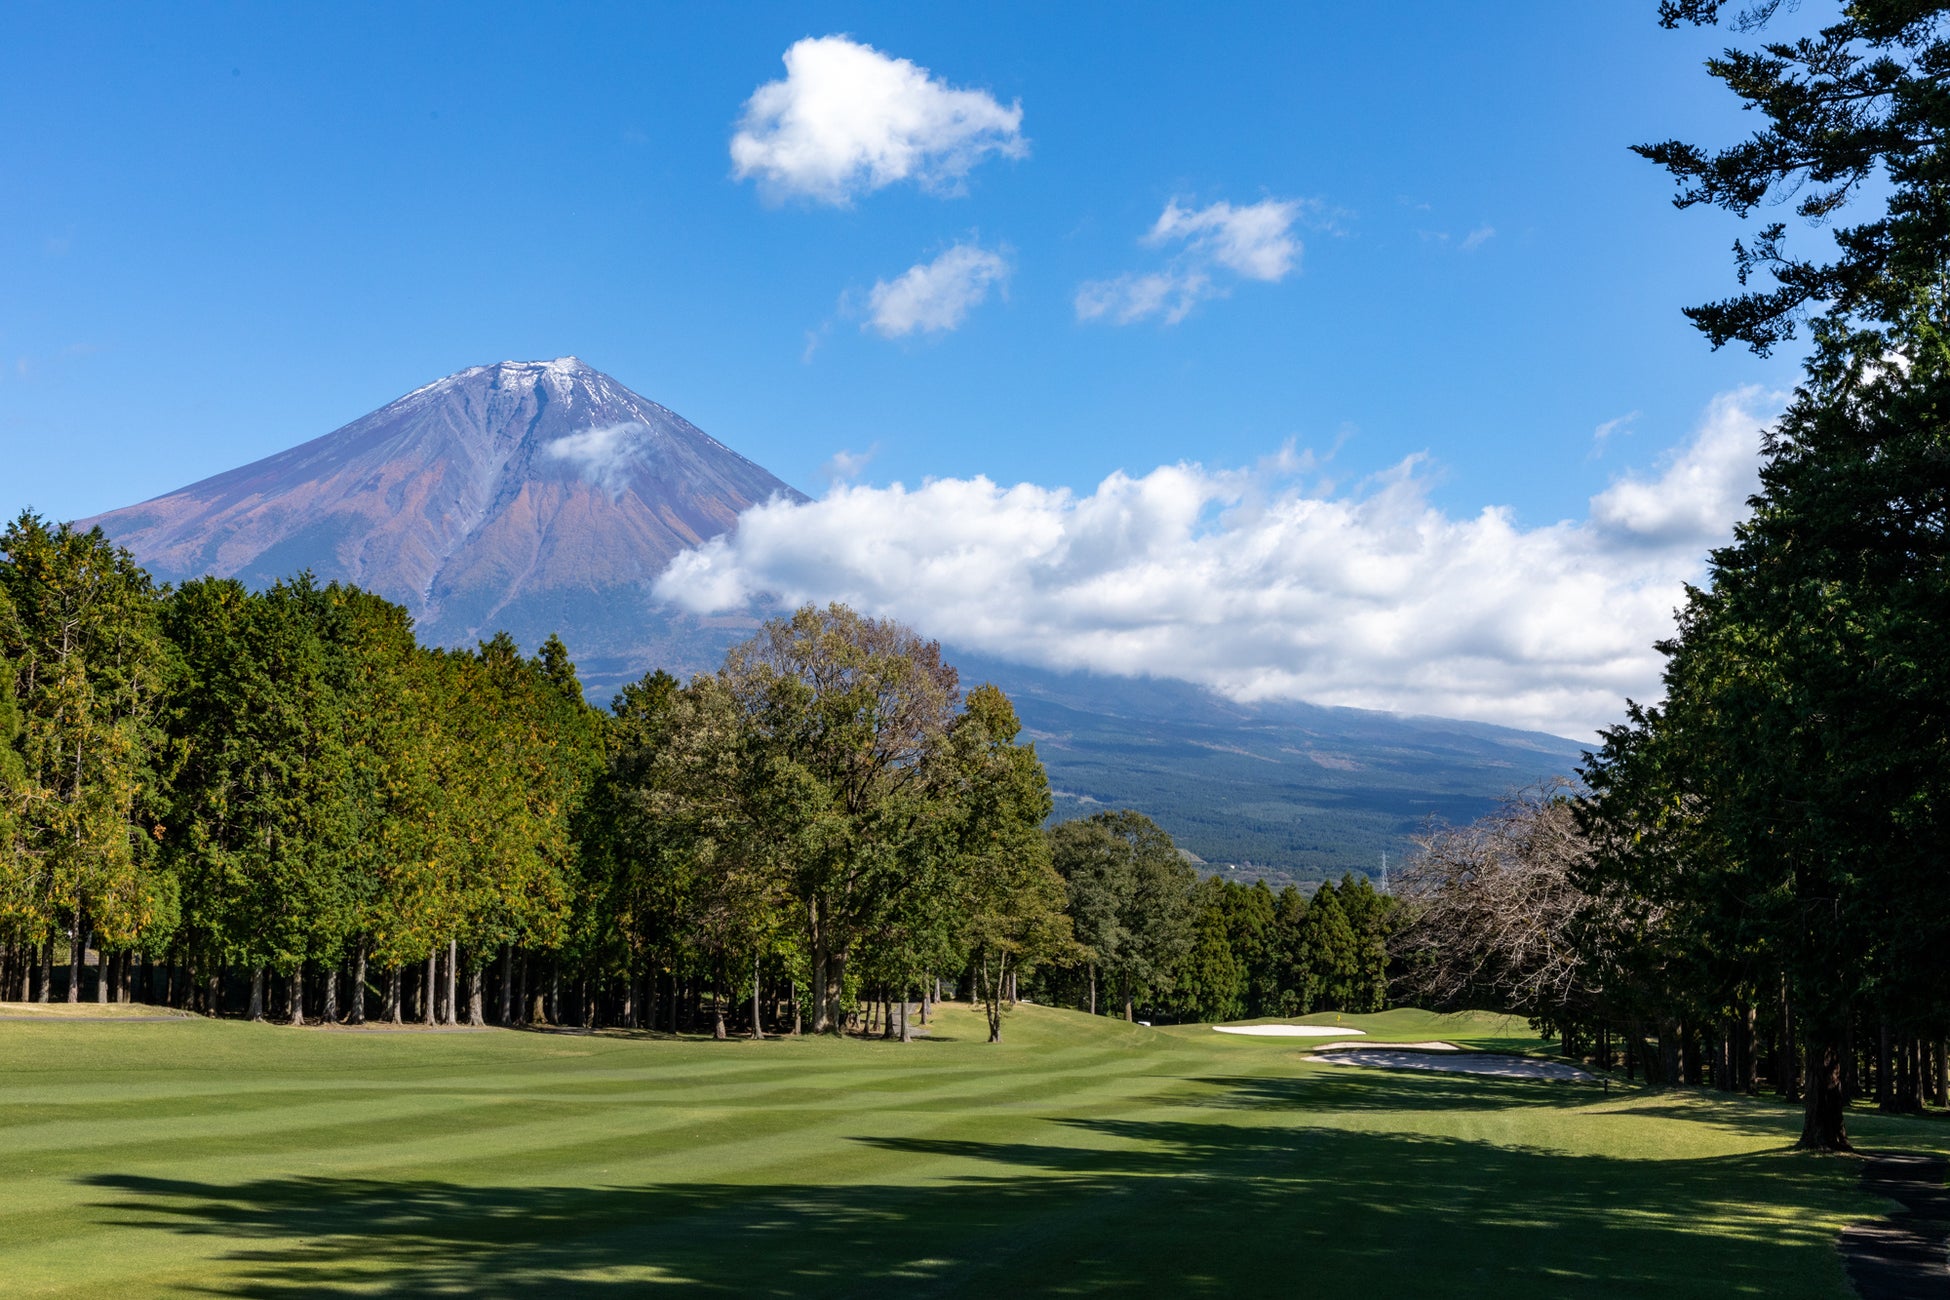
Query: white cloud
[[1699, 486], [932, 297], [1254, 242], [1478, 237], [848, 119], [1264, 586], [1133, 297], [846, 464], [605, 456], [1603, 433]]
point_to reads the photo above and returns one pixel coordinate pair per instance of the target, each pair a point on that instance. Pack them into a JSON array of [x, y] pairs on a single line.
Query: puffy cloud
[[1699, 487], [1476, 238], [1255, 242], [1261, 586], [848, 119], [605, 456], [932, 297]]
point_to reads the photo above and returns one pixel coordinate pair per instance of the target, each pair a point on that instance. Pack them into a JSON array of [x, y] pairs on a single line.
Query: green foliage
[[86, 664], [1857, 108]]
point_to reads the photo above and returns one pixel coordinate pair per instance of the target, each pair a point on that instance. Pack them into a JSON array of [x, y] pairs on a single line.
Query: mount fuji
[[534, 497]]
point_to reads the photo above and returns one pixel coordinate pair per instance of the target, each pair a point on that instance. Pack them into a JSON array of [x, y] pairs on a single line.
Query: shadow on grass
[[1106, 1206]]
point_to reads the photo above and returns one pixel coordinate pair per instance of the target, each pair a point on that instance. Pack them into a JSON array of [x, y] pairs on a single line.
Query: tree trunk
[[47, 971], [507, 983], [836, 991], [1124, 982], [257, 993], [1885, 1095], [717, 1002], [453, 970], [391, 1010], [1824, 1125], [476, 997], [758, 1027], [1093, 986], [906, 1037], [430, 990], [105, 977], [356, 1013], [796, 1027], [329, 1012], [994, 998], [75, 948], [295, 991]]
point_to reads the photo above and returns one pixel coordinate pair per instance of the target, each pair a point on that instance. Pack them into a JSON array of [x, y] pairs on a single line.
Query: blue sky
[[227, 229]]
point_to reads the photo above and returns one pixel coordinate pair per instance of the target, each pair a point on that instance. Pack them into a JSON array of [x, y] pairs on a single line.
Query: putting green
[[1080, 1156]]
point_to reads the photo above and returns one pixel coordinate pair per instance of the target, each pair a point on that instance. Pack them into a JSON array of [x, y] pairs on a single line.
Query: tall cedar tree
[[1134, 899], [1792, 662], [87, 665], [1862, 108]]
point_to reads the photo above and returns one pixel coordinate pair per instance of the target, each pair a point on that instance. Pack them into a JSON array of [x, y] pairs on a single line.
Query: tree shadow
[[1106, 1206]]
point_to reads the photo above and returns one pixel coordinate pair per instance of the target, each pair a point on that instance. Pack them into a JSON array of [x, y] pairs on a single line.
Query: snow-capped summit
[[526, 495]]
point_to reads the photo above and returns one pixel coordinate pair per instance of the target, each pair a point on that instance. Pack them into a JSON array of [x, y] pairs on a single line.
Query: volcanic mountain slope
[[532, 496]]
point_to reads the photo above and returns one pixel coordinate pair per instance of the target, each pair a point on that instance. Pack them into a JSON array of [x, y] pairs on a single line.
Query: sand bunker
[[1383, 1047], [1289, 1031], [1503, 1067]]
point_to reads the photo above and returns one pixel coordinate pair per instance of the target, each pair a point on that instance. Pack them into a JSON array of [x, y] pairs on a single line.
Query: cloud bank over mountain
[[1270, 583]]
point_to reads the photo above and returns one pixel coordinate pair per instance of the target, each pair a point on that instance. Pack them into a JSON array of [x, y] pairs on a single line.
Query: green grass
[[1081, 1156]]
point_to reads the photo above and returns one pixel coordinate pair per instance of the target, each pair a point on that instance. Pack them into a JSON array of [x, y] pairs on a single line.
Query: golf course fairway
[[1080, 1156]]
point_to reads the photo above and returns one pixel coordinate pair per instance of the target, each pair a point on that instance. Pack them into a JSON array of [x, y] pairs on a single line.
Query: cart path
[[1902, 1255]]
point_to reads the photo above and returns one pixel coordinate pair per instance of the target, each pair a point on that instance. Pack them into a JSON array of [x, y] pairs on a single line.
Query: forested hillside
[[1281, 792]]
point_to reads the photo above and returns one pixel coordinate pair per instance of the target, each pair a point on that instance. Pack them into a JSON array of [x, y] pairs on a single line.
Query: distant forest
[[278, 804]]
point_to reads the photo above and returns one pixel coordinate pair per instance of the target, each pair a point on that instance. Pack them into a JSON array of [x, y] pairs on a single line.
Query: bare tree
[[1493, 909]]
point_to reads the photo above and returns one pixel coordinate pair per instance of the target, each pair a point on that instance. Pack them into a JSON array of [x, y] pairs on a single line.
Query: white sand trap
[[1384, 1047], [1503, 1067], [1289, 1031]]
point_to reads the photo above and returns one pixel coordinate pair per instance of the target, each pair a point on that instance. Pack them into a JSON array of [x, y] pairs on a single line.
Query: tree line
[[1747, 887], [278, 804]]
